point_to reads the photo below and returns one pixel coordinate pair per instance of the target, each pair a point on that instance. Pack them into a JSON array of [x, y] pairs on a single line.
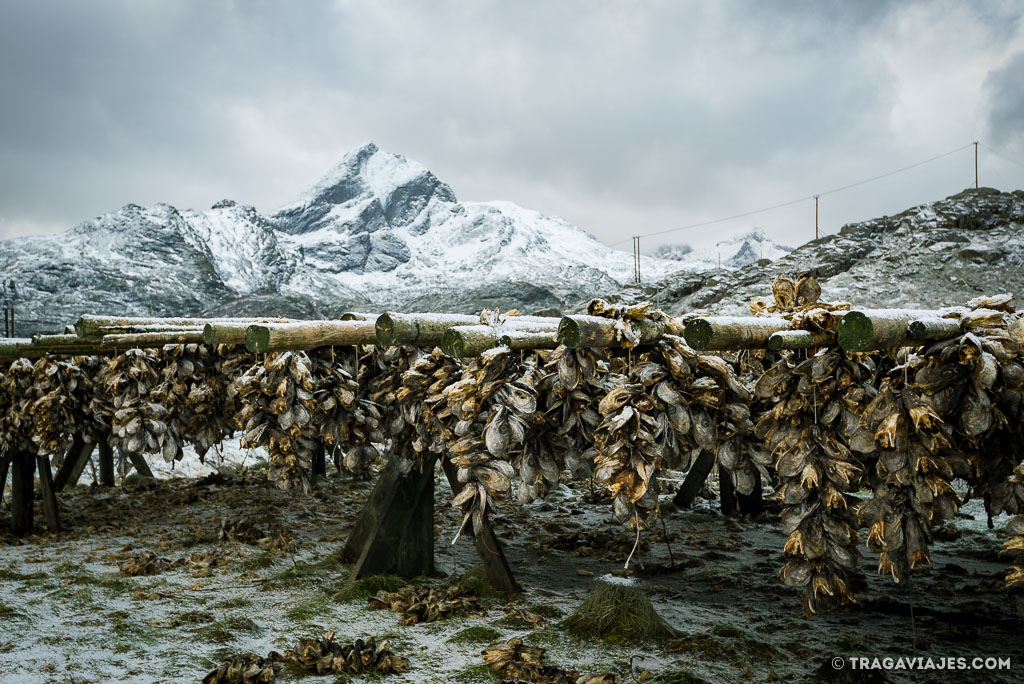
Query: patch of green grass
[[475, 580], [194, 617], [10, 574], [677, 676], [223, 631], [477, 634], [364, 588], [306, 610], [727, 631], [130, 633], [475, 673], [618, 614], [725, 647], [8, 612], [260, 561], [330, 563], [75, 574], [544, 610], [233, 602]]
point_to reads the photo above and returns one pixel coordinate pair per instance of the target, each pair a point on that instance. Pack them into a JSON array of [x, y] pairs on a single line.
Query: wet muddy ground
[[69, 615]]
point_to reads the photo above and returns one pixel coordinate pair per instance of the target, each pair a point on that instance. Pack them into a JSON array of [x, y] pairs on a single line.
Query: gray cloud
[[1004, 89], [621, 117]]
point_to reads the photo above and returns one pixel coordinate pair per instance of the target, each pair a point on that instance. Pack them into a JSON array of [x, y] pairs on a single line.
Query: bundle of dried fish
[[670, 404], [61, 396], [278, 404], [814, 433], [244, 668], [1013, 548], [975, 382], [487, 418], [418, 604], [138, 423], [196, 394], [16, 427], [515, 660], [348, 423], [324, 656]]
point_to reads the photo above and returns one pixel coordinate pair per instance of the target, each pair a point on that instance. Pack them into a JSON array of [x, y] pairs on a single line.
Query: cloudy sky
[[622, 117]]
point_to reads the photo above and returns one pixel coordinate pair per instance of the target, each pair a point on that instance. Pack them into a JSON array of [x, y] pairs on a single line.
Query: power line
[[1004, 158], [807, 198]]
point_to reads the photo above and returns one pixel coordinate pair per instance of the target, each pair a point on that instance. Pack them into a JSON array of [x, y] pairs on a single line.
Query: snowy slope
[[378, 231]]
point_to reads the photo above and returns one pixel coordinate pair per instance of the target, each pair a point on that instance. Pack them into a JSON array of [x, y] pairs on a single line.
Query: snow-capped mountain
[[377, 232], [732, 252]]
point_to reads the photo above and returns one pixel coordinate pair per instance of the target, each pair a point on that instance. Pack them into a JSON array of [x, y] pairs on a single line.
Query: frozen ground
[[69, 616]]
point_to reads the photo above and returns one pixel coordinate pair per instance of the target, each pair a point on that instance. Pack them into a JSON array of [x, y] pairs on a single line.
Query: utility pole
[[975, 164], [815, 217], [638, 258]]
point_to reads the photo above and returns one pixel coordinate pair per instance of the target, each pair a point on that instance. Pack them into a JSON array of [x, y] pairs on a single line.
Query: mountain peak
[[366, 179]]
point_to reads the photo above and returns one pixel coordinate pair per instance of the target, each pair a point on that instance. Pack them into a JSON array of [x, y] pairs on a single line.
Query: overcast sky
[[621, 117]]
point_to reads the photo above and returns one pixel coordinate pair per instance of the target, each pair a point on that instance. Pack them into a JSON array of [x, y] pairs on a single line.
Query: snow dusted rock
[[933, 255], [377, 232]]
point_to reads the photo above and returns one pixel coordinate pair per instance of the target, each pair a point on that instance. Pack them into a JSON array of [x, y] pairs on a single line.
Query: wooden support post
[[49, 495], [726, 492], [139, 461], [74, 463], [5, 465], [415, 554], [320, 461], [695, 479], [752, 504], [23, 468], [391, 521], [496, 567], [106, 464]]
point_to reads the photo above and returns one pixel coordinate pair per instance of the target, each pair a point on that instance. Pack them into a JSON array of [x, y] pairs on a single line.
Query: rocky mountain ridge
[[937, 254]]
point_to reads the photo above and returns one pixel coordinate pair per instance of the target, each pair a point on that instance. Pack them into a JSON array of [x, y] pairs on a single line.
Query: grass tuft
[[618, 614], [366, 587]]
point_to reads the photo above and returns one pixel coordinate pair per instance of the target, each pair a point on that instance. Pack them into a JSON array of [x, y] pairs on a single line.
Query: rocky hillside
[[936, 254]]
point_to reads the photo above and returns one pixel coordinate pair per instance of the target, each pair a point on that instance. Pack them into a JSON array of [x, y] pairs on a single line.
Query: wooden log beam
[[872, 329], [358, 316], [23, 468], [523, 339], [933, 328], [74, 463], [49, 495], [270, 337], [596, 331], [95, 327], [152, 339], [800, 339], [695, 479], [417, 329], [224, 333], [473, 340], [722, 333]]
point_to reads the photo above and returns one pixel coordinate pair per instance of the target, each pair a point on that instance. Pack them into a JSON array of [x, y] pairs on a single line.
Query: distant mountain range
[[377, 232], [732, 252]]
